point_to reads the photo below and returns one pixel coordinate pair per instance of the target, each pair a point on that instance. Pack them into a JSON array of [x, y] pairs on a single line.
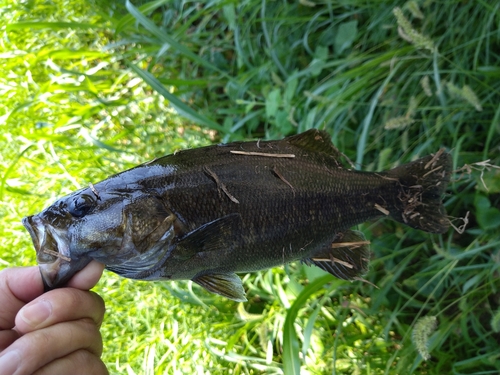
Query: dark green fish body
[[208, 213]]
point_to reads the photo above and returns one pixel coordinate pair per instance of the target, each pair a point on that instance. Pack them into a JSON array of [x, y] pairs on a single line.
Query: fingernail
[[9, 362], [37, 313]]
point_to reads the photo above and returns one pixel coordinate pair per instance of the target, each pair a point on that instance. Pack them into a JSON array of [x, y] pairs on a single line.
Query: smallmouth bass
[[206, 214]]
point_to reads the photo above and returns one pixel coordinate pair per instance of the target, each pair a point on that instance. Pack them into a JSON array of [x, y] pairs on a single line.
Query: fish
[[209, 213]]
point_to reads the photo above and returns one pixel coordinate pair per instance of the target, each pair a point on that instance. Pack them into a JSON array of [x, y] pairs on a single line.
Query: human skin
[[50, 333]]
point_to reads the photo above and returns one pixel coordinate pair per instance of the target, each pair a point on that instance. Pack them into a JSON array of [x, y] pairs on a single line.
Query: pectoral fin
[[216, 235], [347, 258], [225, 284]]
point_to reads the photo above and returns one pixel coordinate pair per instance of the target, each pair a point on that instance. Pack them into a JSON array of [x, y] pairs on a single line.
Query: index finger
[[23, 283], [17, 287], [60, 305]]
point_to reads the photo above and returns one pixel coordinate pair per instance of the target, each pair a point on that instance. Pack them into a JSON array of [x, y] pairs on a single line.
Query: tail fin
[[423, 183]]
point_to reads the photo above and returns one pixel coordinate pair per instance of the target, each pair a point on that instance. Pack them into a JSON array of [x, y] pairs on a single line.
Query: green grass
[[91, 88]]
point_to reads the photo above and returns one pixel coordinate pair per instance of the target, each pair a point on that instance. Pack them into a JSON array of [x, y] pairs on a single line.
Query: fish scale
[[209, 213]]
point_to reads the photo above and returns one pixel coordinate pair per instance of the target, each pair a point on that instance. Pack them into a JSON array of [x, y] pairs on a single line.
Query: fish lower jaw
[[49, 273], [52, 256]]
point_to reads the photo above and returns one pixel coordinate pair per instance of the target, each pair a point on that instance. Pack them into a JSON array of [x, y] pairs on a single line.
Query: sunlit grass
[[88, 88]]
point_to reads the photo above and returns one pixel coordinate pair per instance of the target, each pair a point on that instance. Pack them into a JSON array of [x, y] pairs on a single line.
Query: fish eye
[[81, 205]]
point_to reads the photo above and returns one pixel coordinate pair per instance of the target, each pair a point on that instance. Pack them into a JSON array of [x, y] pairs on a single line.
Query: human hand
[[52, 333]]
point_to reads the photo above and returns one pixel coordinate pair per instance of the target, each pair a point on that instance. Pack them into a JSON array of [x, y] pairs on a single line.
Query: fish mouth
[[52, 251]]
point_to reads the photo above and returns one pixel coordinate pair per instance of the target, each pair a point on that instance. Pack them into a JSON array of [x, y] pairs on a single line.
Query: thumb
[[88, 277]]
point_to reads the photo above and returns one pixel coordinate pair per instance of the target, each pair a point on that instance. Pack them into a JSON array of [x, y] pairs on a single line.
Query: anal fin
[[225, 284], [346, 258]]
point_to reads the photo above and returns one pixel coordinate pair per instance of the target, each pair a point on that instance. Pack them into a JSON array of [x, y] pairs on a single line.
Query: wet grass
[[91, 88]]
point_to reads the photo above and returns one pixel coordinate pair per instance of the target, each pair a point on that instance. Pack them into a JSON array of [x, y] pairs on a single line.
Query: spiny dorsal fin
[[225, 284], [347, 257], [314, 140]]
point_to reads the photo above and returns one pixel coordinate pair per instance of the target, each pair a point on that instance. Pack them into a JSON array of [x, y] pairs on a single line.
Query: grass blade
[[291, 349], [49, 25], [147, 8], [183, 109], [368, 118], [165, 38]]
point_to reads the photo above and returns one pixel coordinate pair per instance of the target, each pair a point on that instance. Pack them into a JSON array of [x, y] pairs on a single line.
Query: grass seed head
[[426, 86], [423, 328], [495, 322], [466, 94], [414, 9], [471, 97], [399, 122], [408, 33]]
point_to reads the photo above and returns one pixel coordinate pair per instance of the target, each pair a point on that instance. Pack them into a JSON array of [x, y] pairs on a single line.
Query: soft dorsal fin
[[346, 258], [320, 143]]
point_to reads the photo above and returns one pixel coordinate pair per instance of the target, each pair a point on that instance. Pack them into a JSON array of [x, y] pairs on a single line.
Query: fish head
[[112, 227]]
